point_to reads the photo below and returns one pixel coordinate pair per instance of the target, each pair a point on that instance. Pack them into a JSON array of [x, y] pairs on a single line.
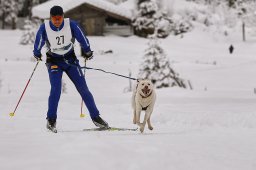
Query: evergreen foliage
[[29, 32], [156, 67], [150, 19], [9, 10]]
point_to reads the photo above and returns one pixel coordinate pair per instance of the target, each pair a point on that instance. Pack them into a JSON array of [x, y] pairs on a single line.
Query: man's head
[[56, 16]]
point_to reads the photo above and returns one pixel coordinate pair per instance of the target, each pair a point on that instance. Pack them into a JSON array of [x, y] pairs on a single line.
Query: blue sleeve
[[40, 40], [79, 35]]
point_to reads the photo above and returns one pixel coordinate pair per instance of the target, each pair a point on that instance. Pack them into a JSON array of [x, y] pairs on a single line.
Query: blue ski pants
[[74, 72]]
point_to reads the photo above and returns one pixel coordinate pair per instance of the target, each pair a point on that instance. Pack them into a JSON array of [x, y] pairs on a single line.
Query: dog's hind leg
[[134, 116]]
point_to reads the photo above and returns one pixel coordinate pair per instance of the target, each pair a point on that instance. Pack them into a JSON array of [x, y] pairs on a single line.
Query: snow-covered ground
[[212, 127]]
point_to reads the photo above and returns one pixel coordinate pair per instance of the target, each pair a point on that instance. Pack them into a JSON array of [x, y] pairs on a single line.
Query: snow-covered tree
[[29, 31], [27, 7], [150, 19], [247, 14], [156, 67], [181, 24], [231, 3], [9, 10], [31, 25]]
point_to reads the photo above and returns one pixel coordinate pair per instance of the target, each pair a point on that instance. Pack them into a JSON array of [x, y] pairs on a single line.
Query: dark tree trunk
[[3, 21], [243, 25], [13, 24]]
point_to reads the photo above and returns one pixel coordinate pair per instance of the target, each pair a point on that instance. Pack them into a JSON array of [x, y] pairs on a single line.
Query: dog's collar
[[146, 96]]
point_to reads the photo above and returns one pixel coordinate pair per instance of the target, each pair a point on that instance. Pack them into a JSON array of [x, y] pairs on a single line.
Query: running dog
[[143, 98]]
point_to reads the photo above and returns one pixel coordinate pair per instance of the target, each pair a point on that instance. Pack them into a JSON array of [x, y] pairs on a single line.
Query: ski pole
[[82, 103], [12, 113]]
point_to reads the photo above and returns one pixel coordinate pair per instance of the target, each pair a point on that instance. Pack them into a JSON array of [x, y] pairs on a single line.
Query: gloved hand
[[38, 58], [88, 55]]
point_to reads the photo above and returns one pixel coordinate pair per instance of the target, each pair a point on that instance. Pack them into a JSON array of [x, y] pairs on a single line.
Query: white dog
[[143, 98]]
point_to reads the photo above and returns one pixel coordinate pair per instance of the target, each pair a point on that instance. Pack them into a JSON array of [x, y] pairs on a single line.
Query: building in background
[[97, 17]]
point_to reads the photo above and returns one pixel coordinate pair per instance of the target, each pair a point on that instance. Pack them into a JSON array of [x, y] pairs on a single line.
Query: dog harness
[[145, 108]]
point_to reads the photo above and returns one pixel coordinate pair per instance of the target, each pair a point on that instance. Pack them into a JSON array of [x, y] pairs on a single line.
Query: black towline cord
[[90, 68]]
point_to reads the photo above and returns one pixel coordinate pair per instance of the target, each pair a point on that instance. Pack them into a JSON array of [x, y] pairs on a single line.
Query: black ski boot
[[99, 122], [51, 125]]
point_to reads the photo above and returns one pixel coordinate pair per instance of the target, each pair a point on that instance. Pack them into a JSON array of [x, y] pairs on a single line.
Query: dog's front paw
[[142, 127]]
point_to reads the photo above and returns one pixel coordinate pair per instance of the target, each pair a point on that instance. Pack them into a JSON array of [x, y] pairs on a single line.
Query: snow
[[129, 4], [179, 5], [42, 10], [210, 127]]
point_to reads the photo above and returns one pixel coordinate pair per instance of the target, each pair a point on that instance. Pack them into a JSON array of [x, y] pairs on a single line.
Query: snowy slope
[[208, 128], [212, 127]]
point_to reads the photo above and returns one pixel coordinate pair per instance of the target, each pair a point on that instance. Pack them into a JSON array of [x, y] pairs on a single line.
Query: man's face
[[57, 20]]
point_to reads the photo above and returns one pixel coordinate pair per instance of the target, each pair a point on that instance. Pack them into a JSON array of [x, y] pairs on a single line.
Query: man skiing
[[59, 34]]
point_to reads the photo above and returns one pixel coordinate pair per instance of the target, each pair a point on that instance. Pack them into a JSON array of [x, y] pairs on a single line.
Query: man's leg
[[55, 76], [76, 75]]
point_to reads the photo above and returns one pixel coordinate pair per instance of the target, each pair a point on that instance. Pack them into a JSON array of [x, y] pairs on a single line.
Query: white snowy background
[[212, 127]]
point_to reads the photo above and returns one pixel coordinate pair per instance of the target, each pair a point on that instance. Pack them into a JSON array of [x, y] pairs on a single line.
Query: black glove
[[38, 58], [88, 55]]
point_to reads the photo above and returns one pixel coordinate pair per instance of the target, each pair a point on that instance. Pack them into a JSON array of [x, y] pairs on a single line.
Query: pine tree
[[156, 67], [9, 10], [231, 3], [29, 32], [150, 18], [27, 7], [31, 25]]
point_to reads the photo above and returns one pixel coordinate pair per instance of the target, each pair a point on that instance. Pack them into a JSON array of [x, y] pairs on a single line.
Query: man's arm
[[79, 34], [40, 41]]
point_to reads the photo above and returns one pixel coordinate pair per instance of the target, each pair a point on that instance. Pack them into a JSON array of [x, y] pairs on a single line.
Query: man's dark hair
[[56, 10]]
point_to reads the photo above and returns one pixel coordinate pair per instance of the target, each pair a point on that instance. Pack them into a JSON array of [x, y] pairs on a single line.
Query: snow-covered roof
[[43, 10], [129, 4]]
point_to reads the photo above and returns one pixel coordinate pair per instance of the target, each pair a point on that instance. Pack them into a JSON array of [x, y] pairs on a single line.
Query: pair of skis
[[101, 129], [111, 129]]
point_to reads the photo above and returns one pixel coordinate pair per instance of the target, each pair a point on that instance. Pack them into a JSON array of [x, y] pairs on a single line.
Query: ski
[[53, 130], [111, 129], [51, 127]]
